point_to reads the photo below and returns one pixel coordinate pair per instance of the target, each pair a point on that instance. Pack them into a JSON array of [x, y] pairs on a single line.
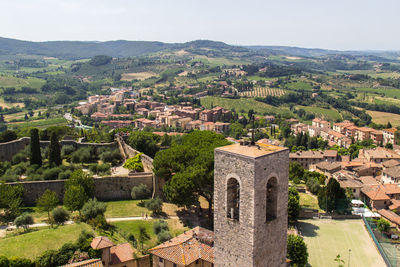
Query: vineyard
[[263, 92]]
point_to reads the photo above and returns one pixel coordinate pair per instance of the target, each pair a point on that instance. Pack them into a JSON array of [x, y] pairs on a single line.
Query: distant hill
[[123, 49]]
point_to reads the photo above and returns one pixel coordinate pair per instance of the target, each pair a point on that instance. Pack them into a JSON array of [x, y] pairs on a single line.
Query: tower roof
[[252, 151]]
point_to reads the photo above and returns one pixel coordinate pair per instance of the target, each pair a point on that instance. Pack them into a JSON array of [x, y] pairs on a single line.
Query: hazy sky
[[334, 24]]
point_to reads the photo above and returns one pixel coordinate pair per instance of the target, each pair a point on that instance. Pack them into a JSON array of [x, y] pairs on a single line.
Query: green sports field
[[327, 238]]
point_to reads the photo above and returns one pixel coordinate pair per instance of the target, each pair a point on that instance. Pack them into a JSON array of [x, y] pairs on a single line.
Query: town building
[[194, 248], [250, 205], [388, 136]]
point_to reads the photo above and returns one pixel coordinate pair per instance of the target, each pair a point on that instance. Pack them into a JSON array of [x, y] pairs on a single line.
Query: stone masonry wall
[[106, 188], [253, 240]]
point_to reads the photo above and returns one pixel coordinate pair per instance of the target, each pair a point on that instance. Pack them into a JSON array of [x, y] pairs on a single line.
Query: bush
[[67, 150], [113, 157], [140, 192], [134, 164], [160, 226], [297, 250], [60, 216], [92, 208], [84, 155], [155, 205], [51, 174], [101, 169], [164, 236], [64, 175], [20, 262], [23, 221], [19, 157], [99, 222], [383, 225]]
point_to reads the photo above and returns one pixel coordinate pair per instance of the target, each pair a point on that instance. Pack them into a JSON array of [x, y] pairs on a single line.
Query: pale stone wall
[[251, 241], [106, 188]]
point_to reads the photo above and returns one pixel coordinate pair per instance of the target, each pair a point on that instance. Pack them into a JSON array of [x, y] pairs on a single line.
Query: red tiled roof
[[390, 130], [375, 192], [121, 253], [101, 242], [187, 247], [86, 263], [389, 215]]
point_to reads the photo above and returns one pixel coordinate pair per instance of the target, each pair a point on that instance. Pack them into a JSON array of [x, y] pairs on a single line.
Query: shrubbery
[[23, 221], [140, 192], [101, 169], [60, 216], [92, 208]]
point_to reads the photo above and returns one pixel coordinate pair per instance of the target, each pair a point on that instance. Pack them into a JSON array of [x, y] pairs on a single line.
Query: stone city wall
[[106, 188]]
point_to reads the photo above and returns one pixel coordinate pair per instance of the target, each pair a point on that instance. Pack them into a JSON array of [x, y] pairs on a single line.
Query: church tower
[[250, 205]]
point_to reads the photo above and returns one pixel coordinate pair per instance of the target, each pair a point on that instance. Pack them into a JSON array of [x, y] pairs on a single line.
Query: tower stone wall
[[255, 239]]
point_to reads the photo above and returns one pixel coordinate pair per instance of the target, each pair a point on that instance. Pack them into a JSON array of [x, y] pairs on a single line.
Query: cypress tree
[[35, 157], [54, 151]]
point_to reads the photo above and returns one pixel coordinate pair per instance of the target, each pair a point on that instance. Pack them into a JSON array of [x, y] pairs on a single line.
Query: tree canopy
[[188, 168]]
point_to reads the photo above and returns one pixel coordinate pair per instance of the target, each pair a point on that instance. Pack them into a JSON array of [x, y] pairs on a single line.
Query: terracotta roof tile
[[101, 242], [188, 247], [86, 263], [121, 253]]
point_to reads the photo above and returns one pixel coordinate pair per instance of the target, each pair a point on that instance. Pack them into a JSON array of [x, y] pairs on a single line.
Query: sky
[[337, 24]]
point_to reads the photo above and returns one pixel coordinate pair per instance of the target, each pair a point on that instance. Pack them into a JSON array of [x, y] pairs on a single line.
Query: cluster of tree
[[333, 198], [145, 142], [188, 168], [304, 142], [297, 250], [293, 205], [134, 164]]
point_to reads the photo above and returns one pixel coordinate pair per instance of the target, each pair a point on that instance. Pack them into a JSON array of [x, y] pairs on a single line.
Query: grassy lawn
[[129, 208], [308, 201], [327, 238], [389, 92], [385, 117], [175, 227], [244, 104], [32, 244]]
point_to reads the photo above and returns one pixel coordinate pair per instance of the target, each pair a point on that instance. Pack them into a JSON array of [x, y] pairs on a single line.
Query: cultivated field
[[328, 114], [385, 117], [327, 238], [243, 104], [11, 81], [263, 92], [137, 76]]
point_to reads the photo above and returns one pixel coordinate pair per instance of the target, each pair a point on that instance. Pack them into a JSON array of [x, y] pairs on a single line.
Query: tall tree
[[188, 168], [293, 205], [297, 250], [35, 157], [79, 177], [47, 202], [75, 198], [55, 150]]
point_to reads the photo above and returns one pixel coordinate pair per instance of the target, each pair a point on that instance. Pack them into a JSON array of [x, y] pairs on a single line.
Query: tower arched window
[[271, 199], [233, 199]]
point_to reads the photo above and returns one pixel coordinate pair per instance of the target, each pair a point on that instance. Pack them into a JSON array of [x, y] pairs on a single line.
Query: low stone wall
[[9, 149], [106, 188]]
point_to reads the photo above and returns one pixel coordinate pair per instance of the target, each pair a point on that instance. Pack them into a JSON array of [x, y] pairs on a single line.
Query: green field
[[31, 245], [175, 227], [244, 104], [39, 123], [299, 85], [388, 92], [11, 81], [328, 114], [327, 238]]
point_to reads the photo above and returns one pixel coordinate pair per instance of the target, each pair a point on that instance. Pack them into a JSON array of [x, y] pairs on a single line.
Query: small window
[[197, 261], [271, 199], [160, 259], [233, 199], [174, 265]]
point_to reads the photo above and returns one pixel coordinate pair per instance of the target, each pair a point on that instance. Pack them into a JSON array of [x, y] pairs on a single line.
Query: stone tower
[[250, 205]]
